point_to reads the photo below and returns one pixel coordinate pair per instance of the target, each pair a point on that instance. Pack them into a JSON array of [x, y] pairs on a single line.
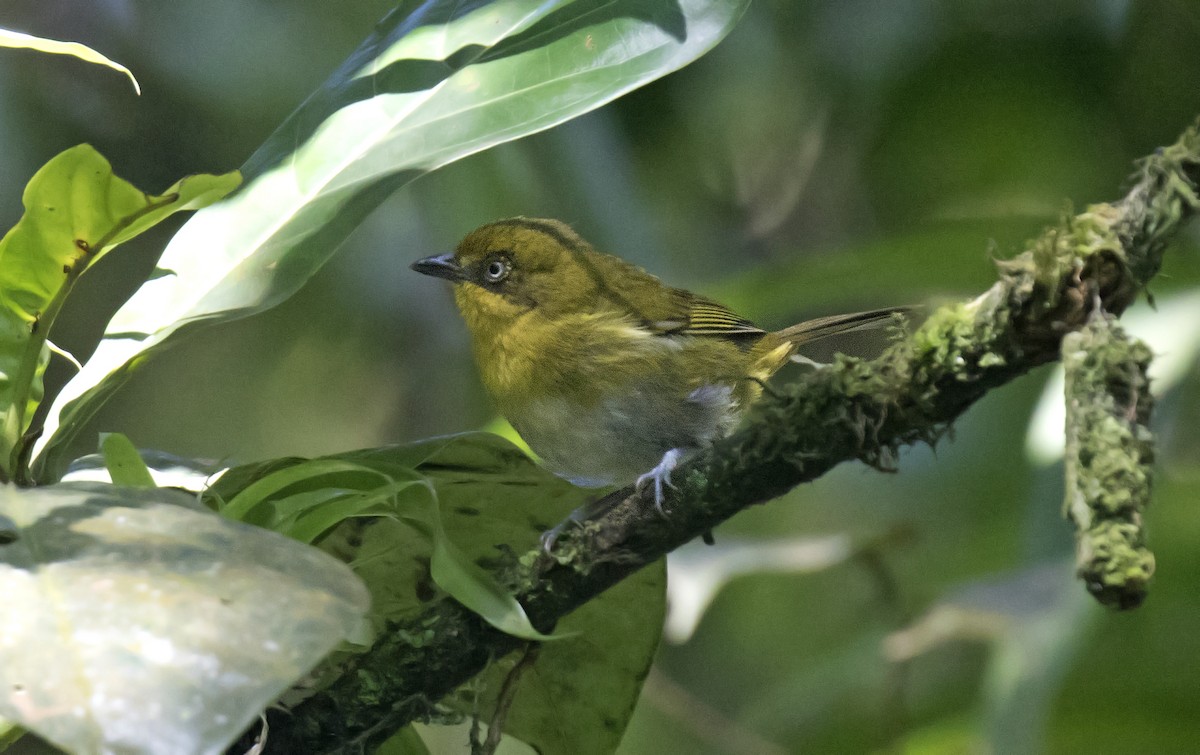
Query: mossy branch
[[1109, 451], [1087, 267]]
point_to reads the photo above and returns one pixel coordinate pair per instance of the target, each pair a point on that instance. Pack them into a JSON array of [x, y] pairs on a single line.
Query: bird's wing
[[664, 310], [692, 315]]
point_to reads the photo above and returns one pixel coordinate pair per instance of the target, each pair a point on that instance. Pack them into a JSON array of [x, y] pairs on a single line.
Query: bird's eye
[[497, 269]]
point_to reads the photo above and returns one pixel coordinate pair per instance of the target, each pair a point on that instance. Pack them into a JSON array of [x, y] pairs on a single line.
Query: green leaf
[[76, 211], [125, 465], [431, 85], [471, 585], [10, 38], [138, 621], [580, 693], [254, 502], [493, 503], [442, 739], [305, 498], [9, 734], [167, 470]]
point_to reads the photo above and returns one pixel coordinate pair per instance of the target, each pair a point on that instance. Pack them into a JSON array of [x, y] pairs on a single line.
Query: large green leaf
[[137, 621], [76, 211], [494, 503], [432, 84], [579, 695]]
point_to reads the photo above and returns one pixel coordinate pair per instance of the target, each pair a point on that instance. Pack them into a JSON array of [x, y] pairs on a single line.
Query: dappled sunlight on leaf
[[140, 622]]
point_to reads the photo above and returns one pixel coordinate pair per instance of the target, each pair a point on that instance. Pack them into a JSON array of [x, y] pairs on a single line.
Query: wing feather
[[693, 315]]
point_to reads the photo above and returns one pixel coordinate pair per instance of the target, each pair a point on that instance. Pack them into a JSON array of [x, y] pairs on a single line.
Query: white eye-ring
[[497, 269]]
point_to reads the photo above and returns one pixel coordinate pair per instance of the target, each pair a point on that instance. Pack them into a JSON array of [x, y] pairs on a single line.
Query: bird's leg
[[661, 475]]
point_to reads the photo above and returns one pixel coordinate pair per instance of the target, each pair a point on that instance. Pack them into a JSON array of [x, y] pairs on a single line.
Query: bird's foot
[[661, 476]]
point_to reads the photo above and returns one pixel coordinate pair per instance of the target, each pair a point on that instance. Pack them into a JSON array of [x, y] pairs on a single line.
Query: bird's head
[[511, 268]]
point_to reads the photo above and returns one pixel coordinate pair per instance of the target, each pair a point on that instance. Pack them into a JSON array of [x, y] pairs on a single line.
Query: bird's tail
[[823, 327]]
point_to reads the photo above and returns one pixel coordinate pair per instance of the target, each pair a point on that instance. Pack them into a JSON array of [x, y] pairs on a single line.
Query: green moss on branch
[[1109, 452]]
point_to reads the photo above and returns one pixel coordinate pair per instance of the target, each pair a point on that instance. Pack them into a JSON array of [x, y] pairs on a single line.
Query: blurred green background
[[828, 156]]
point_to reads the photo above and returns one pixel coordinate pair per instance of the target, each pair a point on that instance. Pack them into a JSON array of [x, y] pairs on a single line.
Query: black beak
[[441, 266]]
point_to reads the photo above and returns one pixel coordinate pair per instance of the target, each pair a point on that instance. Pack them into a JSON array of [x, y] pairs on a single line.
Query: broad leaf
[[580, 693], [139, 622], [10, 38], [76, 211], [305, 498], [430, 85], [494, 503], [407, 741]]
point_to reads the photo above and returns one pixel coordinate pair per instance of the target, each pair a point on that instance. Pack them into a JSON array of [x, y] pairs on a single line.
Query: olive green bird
[[607, 373]]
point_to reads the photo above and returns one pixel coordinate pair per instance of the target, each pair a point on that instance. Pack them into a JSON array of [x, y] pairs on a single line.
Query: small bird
[[607, 373]]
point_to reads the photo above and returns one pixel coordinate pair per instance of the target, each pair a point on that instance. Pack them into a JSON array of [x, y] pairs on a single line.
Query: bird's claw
[[661, 476]]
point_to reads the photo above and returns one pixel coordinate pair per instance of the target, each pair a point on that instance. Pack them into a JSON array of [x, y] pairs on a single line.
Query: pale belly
[[622, 437]]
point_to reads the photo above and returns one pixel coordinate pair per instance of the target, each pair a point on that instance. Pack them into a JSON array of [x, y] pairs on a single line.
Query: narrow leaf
[[306, 474], [305, 498], [10, 38], [309, 524], [470, 585], [125, 465]]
